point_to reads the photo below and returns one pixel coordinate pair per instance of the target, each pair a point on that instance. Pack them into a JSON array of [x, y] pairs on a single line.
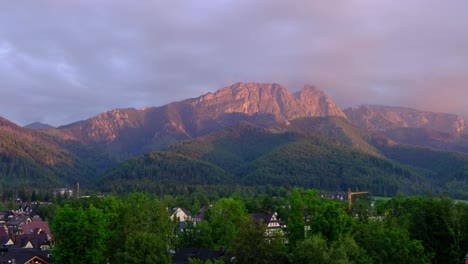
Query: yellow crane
[[350, 197]]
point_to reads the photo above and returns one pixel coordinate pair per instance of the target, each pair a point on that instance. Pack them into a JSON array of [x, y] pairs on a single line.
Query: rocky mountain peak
[[263, 104], [268, 98], [317, 102], [105, 126]]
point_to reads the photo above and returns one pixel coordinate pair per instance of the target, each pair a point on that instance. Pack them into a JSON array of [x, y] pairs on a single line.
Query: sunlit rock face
[[259, 103], [270, 98]]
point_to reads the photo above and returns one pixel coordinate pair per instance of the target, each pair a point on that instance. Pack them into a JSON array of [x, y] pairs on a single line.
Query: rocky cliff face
[[383, 118], [260, 103], [270, 98], [106, 126]]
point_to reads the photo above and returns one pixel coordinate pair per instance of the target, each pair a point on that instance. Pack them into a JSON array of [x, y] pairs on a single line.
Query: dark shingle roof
[[266, 217], [36, 227], [22, 255], [200, 214]]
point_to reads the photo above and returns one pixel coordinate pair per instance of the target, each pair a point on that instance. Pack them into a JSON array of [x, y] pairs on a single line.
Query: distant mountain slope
[[382, 118], [127, 132], [336, 128], [429, 138], [38, 125], [156, 170], [251, 155], [31, 158], [446, 169], [410, 126]]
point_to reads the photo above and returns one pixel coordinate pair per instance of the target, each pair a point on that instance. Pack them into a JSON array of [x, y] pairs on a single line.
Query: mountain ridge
[[381, 117], [155, 127], [39, 125], [279, 122]]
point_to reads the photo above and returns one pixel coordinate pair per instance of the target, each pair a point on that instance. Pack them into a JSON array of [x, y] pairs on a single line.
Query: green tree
[[387, 242], [33, 196], [316, 249], [196, 236], [144, 231], [330, 219], [224, 219], [198, 261], [79, 235], [295, 217], [253, 246], [440, 223]]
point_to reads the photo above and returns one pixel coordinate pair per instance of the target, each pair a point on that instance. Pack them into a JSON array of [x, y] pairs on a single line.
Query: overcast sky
[[66, 60]]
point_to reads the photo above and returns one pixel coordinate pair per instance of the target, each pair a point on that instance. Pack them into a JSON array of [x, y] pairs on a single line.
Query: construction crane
[[350, 197]]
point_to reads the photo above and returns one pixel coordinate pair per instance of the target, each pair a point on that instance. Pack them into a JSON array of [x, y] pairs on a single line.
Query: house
[[37, 226], [36, 241], [37, 260], [24, 256], [15, 224], [5, 240], [4, 216], [272, 222], [198, 217], [180, 214], [64, 192], [30, 209]]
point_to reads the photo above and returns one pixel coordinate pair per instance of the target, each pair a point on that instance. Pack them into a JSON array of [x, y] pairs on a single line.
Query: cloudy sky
[[63, 61]]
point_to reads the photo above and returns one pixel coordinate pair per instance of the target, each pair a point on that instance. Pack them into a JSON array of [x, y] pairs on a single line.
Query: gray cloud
[[62, 61]]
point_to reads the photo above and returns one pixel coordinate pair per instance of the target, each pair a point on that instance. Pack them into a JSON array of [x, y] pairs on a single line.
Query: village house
[[24, 256], [198, 217], [15, 224], [4, 216], [65, 192], [180, 214], [24, 237], [272, 222]]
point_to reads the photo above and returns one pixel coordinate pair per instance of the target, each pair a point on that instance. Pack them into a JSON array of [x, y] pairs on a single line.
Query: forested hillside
[[253, 156], [38, 159]]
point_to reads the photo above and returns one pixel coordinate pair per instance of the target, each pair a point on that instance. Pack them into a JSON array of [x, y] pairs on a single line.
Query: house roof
[[18, 219], [36, 240], [4, 215], [21, 255], [201, 212], [266, 217], [37, 259], [175, 209], [4, 239], [36, 227]]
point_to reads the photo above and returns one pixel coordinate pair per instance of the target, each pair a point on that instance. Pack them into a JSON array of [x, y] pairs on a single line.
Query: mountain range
[[248, 134]]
